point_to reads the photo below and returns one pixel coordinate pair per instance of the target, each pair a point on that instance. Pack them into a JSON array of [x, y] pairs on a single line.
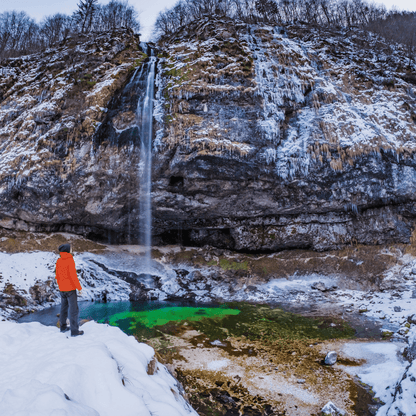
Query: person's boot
[[77, 333], [64, 329]]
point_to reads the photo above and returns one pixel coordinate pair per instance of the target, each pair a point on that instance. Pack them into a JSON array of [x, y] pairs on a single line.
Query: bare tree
[[267, 10], [55, 28], [31, 41], [84, 16], [16, 29], [117, 14]]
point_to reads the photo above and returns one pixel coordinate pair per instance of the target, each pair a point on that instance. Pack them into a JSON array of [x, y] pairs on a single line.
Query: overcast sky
[[148, 9]]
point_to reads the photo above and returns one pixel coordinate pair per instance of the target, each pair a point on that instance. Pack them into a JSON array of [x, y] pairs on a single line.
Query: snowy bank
[[382, 370], [104, 372], [404, 395]]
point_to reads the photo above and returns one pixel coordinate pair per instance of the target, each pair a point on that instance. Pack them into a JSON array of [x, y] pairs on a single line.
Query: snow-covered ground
[[391, 377], [382, 367], [104, 372]]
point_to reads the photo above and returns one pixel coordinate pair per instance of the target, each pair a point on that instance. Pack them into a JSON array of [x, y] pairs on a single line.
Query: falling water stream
[[145, 119]]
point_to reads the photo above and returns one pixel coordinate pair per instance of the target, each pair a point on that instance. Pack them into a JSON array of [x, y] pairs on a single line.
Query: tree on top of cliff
[[13, 29], [397, 27], [344, 13], [55, 28], [85, 15], [268, 10], [393, 26], [20, 35], [117, 14]]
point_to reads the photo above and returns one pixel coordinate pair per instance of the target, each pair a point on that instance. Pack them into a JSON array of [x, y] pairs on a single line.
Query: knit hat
[[64, 248]]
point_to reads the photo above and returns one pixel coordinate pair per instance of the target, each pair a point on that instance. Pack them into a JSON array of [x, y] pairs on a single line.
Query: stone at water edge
[[331, 410], [319, 286], [331, 358], [218, 343], [322, 287]]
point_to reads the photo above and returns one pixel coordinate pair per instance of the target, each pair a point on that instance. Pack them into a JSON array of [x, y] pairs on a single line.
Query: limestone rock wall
[[283, 138], [265, 138]]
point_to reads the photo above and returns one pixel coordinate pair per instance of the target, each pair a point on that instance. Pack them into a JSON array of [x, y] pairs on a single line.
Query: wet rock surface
[[322, 287]]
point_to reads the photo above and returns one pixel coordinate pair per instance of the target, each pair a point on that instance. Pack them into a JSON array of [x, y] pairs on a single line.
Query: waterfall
[[145, 118]]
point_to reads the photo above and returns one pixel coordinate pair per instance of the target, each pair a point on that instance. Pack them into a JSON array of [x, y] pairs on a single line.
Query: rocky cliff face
[[51, 107], [265, 138]]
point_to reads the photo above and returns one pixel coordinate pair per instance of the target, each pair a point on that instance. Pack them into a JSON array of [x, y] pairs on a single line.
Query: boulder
[[331, 358], [138, 292], [43, 291], [319, 286], [410, 352]]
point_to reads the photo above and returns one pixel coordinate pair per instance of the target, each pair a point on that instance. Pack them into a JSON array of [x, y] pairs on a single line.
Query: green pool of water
[[254, 322], [163, 316], [268, 324]]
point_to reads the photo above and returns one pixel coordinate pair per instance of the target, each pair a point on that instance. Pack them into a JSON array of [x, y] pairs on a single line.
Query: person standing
[[66, 276]]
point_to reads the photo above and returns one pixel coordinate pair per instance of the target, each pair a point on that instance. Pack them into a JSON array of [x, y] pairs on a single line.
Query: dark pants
[[69, 299]]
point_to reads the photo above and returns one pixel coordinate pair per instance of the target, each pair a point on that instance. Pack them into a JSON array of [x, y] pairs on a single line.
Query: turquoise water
[[147, 317], [102, 312], [132, 317]]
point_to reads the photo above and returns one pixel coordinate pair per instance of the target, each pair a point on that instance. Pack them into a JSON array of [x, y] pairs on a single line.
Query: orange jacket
[[66, 274]]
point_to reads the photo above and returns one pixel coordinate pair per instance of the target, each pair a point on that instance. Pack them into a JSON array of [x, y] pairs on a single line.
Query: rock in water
[[331, 358], [331, 410]]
